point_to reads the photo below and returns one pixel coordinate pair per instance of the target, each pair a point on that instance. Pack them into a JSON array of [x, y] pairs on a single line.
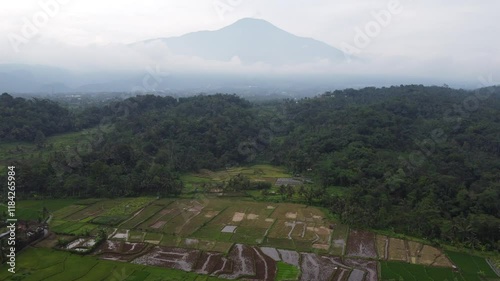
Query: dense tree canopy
[[419, 160], [24, 120], [422, 160]]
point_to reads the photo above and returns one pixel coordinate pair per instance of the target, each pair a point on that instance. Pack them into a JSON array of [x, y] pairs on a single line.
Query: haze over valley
[[261, 51], [216, 140]]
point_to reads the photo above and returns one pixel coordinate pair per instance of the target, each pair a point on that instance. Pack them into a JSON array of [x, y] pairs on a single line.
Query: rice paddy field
[[224, 239], [39, 264], [262, 172], [32, 209]]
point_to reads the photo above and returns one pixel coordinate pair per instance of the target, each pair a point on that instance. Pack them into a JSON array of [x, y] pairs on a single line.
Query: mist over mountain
[[248, 42], [252, 41], [249, 56]]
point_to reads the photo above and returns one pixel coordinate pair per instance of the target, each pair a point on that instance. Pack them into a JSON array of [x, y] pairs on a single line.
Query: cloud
[[428, 39]]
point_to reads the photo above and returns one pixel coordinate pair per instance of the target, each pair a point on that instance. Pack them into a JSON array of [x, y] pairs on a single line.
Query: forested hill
[[423, 160], [23, 120], [420, 160]]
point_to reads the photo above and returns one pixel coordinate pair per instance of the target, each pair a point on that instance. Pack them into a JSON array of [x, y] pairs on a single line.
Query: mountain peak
[[253, 24], [252, 41], [252, 21]]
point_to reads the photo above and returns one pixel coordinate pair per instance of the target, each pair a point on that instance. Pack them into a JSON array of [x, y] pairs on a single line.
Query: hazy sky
[[444, 37]]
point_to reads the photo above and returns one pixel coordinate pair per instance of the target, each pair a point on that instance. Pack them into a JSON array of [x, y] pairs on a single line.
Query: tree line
[[420, 160]]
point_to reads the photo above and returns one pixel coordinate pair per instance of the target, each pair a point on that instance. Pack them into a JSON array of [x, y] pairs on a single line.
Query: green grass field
[[197, 224], [471, 266], [400, 271], [339, 239], [32, 209], [287, 272], [145, 214]]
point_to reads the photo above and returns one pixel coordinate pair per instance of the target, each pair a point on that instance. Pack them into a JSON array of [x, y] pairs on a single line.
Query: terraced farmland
[[290, 226], [219, 239], [39, 264]]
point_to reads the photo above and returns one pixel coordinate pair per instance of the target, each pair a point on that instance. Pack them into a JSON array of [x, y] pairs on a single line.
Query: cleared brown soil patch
[[223, 266], [361, 244], [211, 214], [120, 247], [412, 252], [322, 235], [207, 262], [382, 246], [442, 261], [114, 257], [322, 230], [51, 241], [158, 224], [109, 246], [265, 266], [397, 250], [428, 255], [237, 217], [131, 248], [176, 258], [252, 216], [243, 262], [119, 250], [316, 268], [414, 248]]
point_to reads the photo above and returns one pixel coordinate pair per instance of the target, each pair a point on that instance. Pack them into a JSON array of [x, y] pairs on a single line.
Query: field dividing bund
[[123, 209], [38, 264], [289, 226], [141, 216], [158, 220], [255, 263], [214, 238], [67, 211], [394, 249], [93, 210]]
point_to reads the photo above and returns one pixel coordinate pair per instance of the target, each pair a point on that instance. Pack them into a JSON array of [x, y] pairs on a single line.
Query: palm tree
[[463, 228]]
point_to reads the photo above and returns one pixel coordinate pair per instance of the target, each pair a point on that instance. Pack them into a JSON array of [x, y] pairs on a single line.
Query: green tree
[[40, 139]]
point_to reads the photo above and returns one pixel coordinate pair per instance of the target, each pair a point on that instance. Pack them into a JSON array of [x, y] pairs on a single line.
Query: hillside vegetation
[[419, 160]]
